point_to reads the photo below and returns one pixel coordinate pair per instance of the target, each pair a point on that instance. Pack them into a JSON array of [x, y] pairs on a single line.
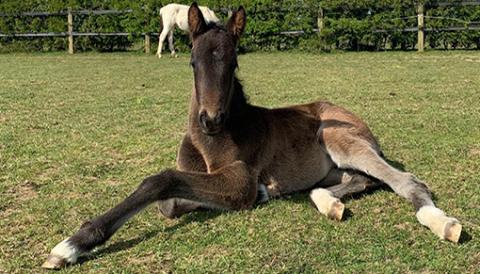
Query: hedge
[[348, 25]]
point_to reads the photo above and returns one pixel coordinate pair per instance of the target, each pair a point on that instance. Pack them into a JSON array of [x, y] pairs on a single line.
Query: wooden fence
[[70, 33], [420, 28]]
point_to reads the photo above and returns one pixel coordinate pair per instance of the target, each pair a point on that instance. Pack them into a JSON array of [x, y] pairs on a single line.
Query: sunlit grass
[[78, 133]]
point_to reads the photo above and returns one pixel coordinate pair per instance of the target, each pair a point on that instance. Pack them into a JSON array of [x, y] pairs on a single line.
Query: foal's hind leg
[[355, 153], [351, 182], [340, 183]]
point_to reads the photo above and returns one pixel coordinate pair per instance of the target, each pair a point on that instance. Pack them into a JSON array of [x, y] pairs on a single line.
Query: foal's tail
[[361, 156]]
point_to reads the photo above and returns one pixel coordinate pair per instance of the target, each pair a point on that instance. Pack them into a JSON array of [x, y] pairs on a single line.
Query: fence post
[[421, 27], [70, 31], [320, 20], [147, 43]]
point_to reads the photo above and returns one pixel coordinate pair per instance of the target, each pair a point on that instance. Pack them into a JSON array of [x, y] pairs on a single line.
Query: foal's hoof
[[159, 56], [327, 204], [336, 210], [447, 228], [54, 262], [452, 231]]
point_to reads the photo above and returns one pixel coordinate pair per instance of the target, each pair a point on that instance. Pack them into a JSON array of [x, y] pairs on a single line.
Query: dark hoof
[[54, 262]]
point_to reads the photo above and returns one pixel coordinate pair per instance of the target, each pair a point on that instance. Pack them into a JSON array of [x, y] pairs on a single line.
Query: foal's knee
[[156, 184], [174, 208], [242, 186]]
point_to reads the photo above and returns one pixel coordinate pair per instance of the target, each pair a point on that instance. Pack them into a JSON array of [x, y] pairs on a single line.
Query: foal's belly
[[292, 170]]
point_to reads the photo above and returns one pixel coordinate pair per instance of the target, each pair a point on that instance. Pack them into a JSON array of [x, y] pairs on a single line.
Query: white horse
[[176, 14]]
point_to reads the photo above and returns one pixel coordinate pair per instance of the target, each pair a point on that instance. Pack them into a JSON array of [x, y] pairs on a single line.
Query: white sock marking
[[323, 199], [66, 251], [435, 219]]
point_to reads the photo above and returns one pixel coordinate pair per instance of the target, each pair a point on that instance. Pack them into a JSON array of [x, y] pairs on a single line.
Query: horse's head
[[214, 61]]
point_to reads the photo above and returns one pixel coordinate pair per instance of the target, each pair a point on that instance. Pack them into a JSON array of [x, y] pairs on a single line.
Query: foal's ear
[[236, 23], [196, 22]]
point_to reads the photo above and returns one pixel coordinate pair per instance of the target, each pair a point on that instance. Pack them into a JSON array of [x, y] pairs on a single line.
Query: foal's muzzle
[[211, 125]]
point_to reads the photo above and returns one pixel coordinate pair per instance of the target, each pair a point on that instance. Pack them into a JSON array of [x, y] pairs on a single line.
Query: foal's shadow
[[200, 216], [118, 246], [197, 216]]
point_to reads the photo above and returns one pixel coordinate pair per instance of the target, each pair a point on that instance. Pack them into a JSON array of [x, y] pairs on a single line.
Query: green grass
[[78, 133]]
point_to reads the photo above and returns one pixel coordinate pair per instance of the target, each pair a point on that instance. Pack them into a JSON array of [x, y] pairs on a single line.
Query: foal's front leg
[[231, 187], [189, 159]]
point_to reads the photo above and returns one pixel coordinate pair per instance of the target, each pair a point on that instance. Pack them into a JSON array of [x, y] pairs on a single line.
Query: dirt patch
[[474, 152], [7, 213], [24, 191]]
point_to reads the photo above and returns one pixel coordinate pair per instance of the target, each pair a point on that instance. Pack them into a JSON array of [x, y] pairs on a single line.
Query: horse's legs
[[171, 45], [359, 155], [167, 27], [339, 183], [231, 187]]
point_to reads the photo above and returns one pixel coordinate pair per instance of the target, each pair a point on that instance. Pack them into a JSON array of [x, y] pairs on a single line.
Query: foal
[[235, 154]]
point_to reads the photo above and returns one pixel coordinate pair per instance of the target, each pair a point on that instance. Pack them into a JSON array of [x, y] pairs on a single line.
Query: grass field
[[78, 133]]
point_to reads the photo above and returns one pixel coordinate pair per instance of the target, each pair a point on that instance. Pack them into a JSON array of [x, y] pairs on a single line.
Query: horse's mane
[[239, 98]]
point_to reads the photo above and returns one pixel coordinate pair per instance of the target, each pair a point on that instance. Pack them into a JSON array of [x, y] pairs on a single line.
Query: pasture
[[79, 133]]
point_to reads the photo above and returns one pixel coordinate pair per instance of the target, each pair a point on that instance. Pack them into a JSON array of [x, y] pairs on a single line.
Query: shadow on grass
[[201, 215], [116, 247], [465, 237]]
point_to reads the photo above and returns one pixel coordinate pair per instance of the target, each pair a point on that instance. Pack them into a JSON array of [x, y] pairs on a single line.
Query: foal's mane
[[239, 98]]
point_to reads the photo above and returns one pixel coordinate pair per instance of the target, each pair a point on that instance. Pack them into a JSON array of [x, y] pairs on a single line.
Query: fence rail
[[70, 33], [463, 3], [63, 13], [65, 34], [428, 29]]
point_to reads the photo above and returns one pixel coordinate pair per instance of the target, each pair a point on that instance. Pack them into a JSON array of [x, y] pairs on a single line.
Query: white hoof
[[327, 204], [447, 228], [62, 254]]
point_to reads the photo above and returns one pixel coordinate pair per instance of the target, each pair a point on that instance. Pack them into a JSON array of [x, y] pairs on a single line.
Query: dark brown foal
[[235, 154]]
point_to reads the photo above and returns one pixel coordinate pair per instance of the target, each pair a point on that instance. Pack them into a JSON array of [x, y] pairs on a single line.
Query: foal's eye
[[192, 63]]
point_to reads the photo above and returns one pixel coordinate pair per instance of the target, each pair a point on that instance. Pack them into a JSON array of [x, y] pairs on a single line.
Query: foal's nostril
[[211, 124], [203, 118], [219, 118]]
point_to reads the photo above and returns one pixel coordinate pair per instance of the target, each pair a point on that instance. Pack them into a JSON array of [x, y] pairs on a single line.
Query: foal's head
[[214, 61]]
